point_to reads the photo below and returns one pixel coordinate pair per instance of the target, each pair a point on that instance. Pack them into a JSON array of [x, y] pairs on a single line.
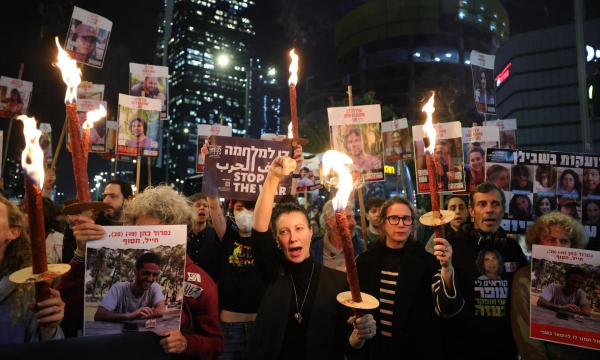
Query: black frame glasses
[[395, 220]]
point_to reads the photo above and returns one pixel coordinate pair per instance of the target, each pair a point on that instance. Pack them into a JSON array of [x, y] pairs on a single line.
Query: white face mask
[[243, 220]]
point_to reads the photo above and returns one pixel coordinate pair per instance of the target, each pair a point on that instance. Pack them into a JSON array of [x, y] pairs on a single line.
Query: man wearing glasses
[[141, 299]]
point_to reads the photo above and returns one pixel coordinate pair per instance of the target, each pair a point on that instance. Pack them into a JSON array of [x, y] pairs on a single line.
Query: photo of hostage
[[567, 297], [140, 299], [354, 147], [499, 176], [139, 129], [443, 164], [490, 264], [520, 207], [14, 103], [150, 88], [85, 38]]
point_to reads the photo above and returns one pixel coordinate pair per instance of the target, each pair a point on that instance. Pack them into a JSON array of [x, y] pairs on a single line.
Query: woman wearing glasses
[[401, 273]]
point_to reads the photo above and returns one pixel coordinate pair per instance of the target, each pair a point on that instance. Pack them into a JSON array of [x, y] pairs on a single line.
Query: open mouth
[[295, 251], [489, 222]]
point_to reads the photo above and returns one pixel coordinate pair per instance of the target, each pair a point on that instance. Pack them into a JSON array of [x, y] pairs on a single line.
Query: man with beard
[[372, 207], [203, 245], [140, 299], [486, 301], [328, 249]]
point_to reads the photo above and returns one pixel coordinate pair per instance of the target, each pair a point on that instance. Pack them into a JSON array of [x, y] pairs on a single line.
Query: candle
[[429, 141], [32, 162], [292, 83]]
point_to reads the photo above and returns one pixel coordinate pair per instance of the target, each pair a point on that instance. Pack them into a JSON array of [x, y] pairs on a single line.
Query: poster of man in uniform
[[396, 140], [508, 132], [356, 132], [236, 168], [484, 89], [447, 155], [565, 296], [139, 121], [98, 132], [15, 95], [46, 141], [476, 140], [88, 90], [87, 38], [153, 81], [204, 132], [135, 280]]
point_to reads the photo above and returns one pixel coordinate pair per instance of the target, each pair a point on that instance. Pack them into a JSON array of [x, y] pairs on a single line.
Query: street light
[[223, 60]]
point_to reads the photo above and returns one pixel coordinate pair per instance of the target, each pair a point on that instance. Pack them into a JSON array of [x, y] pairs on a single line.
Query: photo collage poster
[[484, 86], [204, 132], [87, 37], [46, 142], [476, 140], [537, 182], [396, 140], [448, 153], [112, 275], [508, 132], [153, 80], [139, 122], [98, 132], [15, 96], [565, 296], [356, 132]]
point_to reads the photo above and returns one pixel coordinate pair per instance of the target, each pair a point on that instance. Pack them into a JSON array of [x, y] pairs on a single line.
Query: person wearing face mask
[[299, 317], [458, 205], [240, 287], [203, 246], [553, 229]]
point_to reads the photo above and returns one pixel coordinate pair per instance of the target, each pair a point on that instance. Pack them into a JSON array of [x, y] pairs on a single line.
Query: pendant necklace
[[297, 315]]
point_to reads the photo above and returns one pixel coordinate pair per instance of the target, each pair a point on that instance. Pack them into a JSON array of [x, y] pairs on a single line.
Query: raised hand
[[282, 166]]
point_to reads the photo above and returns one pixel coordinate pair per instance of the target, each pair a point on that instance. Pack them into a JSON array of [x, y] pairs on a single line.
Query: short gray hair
[[162, 203], [329, 212]]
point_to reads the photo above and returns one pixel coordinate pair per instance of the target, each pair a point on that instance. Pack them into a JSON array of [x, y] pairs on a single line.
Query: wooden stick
[[137, 174], [10, 125], [59, 144], [149, 171]]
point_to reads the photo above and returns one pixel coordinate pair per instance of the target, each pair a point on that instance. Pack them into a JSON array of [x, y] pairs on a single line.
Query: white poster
[[476, 140], [396, 140], [484, 86], [139, 121], [205, 131], [15, 95], [508, 132], [153, 81], [87, 38]]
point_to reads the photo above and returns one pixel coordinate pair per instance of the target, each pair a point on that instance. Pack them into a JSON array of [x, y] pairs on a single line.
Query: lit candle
[[32, 162], [90, 118], [292, 83]]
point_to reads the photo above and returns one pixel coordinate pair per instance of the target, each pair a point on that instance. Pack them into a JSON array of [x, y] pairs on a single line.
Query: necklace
[[297, 315]]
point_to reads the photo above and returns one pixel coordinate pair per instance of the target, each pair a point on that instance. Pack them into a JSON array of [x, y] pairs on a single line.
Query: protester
[[409, 285], [458, 205], [372, 208], [486, 302], [499, 176], [315, 227], [203, 245], [553, 229], [327, 249], [299, 317], [18, 322]]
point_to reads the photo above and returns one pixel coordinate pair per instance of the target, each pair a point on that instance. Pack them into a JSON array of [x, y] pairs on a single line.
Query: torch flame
[[293, 69], [290, 131], [337, 161], [70, 72], [32, 159], [428, 128], [93, 116]]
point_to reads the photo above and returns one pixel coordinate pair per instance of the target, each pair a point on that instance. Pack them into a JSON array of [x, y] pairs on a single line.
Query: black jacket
[[416, 325]]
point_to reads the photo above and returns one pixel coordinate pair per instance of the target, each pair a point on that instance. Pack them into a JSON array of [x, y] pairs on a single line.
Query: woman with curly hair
[[18, 322], [553, 229], [545, 179]]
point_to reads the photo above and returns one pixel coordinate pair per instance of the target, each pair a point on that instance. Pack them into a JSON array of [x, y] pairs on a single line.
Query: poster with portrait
[[356, 132], [98, 132], [135, 280], [484, 86], [508, 132], [88, 90], [15, 95], [396, 140], [46, 141], [139, 121], [236, 168], [476, 140], [153, 81], [448, 153], [204, 132], [565, 296], [87, 37], [310, 179]]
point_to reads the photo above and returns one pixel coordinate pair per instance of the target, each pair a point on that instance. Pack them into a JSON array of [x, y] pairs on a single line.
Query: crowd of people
[[270, 273]]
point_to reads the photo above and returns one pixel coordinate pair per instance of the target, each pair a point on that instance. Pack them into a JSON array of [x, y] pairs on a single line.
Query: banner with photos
[[396, 140], [87, 37]]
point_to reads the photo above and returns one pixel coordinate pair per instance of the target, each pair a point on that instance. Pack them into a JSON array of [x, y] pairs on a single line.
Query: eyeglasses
[[395, 220]]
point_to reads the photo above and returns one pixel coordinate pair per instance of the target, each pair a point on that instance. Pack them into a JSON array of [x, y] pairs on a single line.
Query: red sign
[[503, 75]]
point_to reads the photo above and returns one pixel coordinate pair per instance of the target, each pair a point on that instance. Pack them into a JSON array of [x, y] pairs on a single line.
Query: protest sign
[[396, 140], [124, 260], [138, 126], [356, 132], [236, 168], [508, 132], [98, 132], [87, 37], [561, 311], [204, 132], [88, 90], [153, 80], [46, 141], [15, 95], [476, 140], [448, 153], [484, 86]]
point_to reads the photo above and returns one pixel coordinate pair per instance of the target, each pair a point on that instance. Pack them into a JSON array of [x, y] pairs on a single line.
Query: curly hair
[[383, 216], [575, 178], [541, 227], [16, 257], [162, 203], [481, 259], [550, 170]]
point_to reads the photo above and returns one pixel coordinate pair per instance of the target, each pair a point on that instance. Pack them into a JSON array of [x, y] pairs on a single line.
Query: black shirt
[[204, 248], [392, 259]]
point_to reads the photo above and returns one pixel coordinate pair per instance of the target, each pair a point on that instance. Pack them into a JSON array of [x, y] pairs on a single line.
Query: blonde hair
[[162, 203], [541, 227]]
